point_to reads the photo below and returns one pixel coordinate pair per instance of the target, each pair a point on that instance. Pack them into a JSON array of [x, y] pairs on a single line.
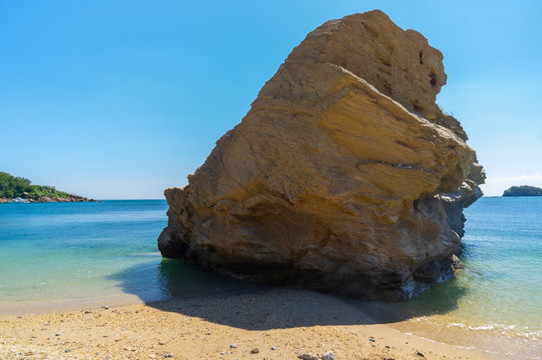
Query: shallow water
[[67, 251], [62, 251], [498, 295], [501, 287]]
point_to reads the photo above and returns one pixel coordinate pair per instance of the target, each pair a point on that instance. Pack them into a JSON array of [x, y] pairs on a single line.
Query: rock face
[[344, 176]]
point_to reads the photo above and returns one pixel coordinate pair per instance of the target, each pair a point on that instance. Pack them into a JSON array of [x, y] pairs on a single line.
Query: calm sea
[[71, 251], [62, 251], [497, 299]]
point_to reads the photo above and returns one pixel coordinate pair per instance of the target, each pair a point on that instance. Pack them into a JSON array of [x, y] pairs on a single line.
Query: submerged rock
[[344, 176]]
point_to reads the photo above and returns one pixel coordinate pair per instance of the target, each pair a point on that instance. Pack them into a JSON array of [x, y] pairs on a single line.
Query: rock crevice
[[344, 176]]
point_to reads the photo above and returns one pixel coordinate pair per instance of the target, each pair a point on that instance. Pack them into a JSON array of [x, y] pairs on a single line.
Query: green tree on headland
[[13, 187], [523, 190]]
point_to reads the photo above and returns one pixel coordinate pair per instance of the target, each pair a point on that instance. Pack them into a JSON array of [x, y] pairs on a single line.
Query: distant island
[[19, 189], [523, 190]]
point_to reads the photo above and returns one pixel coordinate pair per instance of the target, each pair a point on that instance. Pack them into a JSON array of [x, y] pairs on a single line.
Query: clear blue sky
[[122, 99]]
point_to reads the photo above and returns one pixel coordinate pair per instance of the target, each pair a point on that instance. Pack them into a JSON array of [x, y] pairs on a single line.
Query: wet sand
[[266, 324]]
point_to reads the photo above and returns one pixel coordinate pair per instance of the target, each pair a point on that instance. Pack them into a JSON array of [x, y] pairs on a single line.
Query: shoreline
[[293, 322], [40, 307], [46, 199]]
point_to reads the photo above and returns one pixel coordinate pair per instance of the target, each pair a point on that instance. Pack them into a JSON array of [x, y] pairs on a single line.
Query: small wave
[[503, 329], [421, 318], [457, 325], [146, 254], [482, 327], [534, 335]]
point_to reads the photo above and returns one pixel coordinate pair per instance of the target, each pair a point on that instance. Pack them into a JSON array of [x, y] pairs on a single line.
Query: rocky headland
[[47, 199], [21, 190], [345, 176]]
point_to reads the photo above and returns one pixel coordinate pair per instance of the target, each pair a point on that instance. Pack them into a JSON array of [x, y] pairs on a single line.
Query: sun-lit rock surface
[[345, 176]]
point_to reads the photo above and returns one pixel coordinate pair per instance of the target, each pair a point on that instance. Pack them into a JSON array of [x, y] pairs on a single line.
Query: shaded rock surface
[[344, 176]]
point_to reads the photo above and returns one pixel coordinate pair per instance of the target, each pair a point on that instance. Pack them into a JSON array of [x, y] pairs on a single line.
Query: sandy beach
[[266, 324]]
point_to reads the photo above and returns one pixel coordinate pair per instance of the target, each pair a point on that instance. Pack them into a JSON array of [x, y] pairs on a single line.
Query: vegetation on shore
[[523, 190], [14, 187]]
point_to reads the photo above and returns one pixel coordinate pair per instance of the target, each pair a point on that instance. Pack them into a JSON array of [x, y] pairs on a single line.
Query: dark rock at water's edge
[[46, 199], [345, 176], [523, 190]]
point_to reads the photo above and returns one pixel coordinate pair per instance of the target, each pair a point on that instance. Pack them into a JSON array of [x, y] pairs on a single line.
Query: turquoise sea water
[[503, 258], [497, 298], [501, 287], [69, 251], [82, 250]]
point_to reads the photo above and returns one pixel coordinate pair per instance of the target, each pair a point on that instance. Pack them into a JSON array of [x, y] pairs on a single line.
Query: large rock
[[344, 176]]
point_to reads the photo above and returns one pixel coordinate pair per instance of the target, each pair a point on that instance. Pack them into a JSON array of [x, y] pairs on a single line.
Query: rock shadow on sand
[[174, 286]]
